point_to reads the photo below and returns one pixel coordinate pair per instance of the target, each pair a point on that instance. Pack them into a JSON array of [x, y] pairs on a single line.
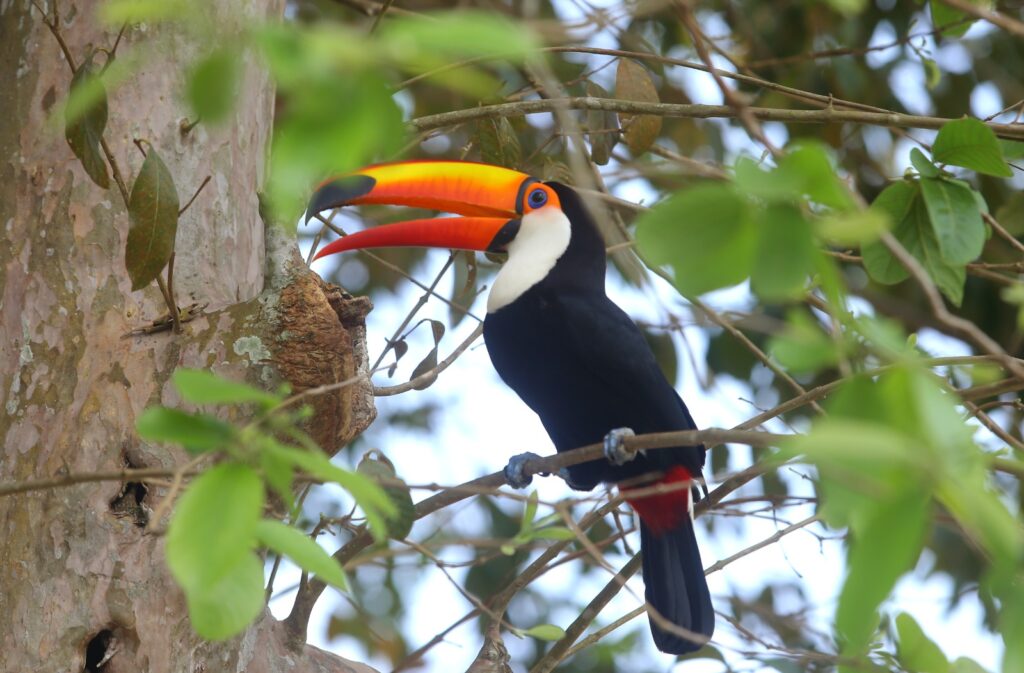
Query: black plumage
[[585, 368]]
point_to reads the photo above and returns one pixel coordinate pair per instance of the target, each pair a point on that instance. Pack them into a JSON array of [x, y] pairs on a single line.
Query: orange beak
[[489, 198]]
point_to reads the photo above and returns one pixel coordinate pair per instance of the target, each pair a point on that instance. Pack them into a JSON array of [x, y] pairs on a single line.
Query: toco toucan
[[570, 353]]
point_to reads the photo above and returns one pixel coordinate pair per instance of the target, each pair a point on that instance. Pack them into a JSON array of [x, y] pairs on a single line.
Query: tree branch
[[695, 111]]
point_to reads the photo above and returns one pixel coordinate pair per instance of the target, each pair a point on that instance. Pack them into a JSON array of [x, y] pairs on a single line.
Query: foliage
[[219, 523], [844, 235]]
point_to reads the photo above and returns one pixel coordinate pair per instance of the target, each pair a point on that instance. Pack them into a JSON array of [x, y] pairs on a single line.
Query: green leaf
[[785, 253], [925, 167], [802, 346], [84, 128], [225, 607], [116, 12], [1008, 586], [1011, 149], [917, 652], [633, 83], [545, 632], [203, 387], [704, 233], [933, 73], [978, 508], [333, 123], [196, 432], [804, 172], [854, 227], [153, 209], [896, 202], [375, 465], [279, 474], [212, 86], [816, 175], [955, 219], [457, 33], [886, 544], [944, 15], [552, 533], [529, 512], [769, 185], [858, 449], [214, 526], [370, 497], [306, 553], [848, 7], [903, 202], [965, 665], [970, 143]]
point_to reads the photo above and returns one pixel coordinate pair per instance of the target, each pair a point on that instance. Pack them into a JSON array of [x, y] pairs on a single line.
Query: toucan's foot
[[615, 447], [515, 471], [566, 476]]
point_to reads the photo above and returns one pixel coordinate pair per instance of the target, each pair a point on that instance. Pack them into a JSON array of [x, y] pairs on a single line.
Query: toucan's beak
[[488, 197]]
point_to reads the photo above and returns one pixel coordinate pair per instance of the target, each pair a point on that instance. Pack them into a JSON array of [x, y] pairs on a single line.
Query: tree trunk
[[80, 578]]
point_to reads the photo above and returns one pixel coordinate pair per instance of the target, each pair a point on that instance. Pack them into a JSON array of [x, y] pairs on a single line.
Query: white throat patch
[[543, 237]]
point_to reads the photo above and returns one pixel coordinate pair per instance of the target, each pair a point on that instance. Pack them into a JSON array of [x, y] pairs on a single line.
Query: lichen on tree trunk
[[79, 576]]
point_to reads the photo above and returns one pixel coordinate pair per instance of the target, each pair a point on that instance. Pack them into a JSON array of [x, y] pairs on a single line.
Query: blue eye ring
[[537, 198]]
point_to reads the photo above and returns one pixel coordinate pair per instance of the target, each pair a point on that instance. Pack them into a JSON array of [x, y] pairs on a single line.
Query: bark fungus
[[83, 586]]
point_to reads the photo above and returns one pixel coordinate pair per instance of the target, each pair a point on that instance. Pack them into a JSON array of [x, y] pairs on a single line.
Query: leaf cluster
[[219, 522]]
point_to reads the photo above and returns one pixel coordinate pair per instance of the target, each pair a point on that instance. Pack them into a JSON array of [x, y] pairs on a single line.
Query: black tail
[[675, 586]]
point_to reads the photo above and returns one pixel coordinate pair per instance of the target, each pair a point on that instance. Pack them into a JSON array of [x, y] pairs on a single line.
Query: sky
[[482, 424]]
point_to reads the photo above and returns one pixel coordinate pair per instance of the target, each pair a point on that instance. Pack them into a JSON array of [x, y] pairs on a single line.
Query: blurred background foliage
[[359, 81]]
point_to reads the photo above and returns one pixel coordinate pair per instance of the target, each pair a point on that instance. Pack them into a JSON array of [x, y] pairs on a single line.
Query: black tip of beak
[[338, 193]]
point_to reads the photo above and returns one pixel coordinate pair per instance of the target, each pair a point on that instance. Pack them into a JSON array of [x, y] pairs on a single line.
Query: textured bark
[[76, 566]]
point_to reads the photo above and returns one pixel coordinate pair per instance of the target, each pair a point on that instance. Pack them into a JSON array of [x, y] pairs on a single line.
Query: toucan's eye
[[537, 198]]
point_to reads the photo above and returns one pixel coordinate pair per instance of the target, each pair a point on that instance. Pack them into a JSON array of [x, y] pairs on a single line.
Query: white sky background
[[482, 424]]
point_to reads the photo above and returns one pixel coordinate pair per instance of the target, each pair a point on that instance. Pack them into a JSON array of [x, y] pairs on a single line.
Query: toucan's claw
[[515, 471], [615, 446]]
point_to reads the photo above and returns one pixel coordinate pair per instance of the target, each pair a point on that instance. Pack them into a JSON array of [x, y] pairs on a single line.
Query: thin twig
[[176, 481], [770, 540], [420, 303], [732, 99], [172, 305], [1003, 233], [426, 377], [380, 15], [636, 612], [851, 51], [559, 650], [185, 207]]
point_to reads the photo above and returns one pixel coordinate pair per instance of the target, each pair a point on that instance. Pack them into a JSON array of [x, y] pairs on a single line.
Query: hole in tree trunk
[[131, 501], [96, 651]]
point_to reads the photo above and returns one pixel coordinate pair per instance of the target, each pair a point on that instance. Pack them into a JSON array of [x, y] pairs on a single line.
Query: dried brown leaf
[[602, 127], [633, 82]]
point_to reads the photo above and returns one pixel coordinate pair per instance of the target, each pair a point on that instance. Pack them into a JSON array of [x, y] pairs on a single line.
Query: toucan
[[564, 347]]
